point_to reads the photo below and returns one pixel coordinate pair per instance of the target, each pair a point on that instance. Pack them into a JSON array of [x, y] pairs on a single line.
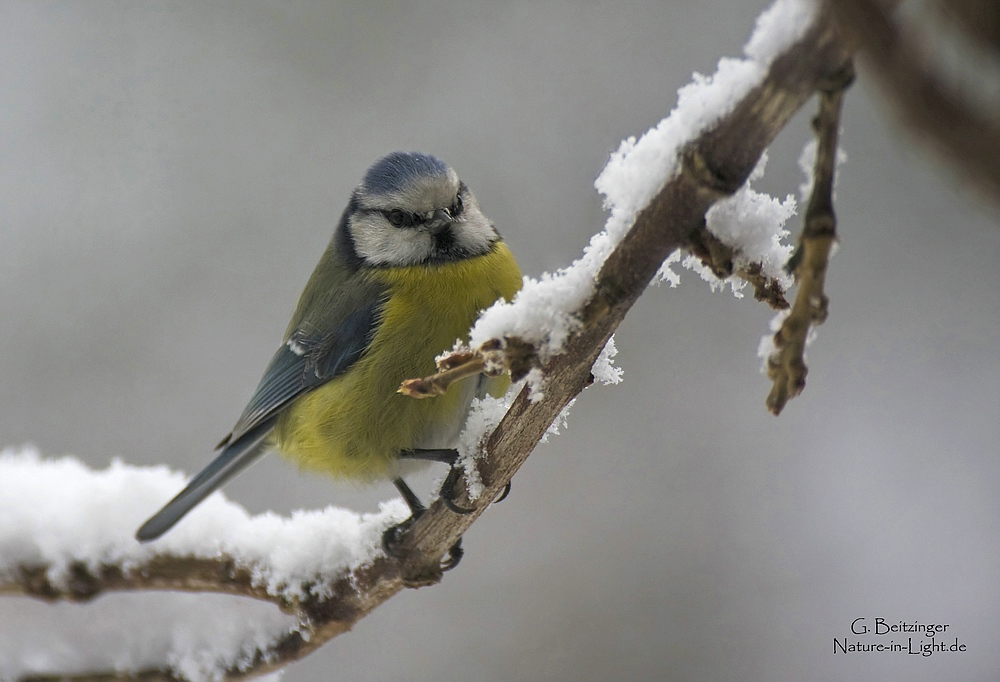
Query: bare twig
[[980, 19], [787, 367], [721, 259], [715, 165], [495, 357], [459, 366]]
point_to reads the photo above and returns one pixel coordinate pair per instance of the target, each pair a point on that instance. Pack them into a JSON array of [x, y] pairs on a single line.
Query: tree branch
[[787, 367], [937, 111], [714, 165]]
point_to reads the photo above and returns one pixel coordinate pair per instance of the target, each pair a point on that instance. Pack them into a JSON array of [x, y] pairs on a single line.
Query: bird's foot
[[392, 538], [447, 492], [448, 495]]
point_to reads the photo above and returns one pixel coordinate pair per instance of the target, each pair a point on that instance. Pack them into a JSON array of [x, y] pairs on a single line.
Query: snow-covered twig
[[662, 187], [711, 166]]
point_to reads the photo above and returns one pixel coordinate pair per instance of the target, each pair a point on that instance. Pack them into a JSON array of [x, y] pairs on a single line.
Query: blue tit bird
[[410, 266]]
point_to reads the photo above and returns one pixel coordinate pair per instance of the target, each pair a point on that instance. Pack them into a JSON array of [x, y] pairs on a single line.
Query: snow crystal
[[779, 25], [604, 369], [484, 415], [534, 381], [754, 223], [807, 163], [560, 422], [666, 273], [766, 348]]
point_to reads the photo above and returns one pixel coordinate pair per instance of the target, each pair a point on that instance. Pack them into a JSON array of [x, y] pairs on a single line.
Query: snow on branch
[[66, 532]]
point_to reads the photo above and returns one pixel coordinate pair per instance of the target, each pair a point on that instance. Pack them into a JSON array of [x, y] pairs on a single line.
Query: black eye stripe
[[403, 219], [398, 218]]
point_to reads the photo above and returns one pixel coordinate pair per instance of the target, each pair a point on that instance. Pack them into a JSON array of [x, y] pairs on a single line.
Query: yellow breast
[[355, 425]]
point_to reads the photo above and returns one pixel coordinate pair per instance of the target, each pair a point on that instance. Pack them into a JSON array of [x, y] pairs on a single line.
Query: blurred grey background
[[172, 171]]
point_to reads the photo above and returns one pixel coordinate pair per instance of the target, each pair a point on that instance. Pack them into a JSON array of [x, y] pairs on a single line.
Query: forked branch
[[714, 165]]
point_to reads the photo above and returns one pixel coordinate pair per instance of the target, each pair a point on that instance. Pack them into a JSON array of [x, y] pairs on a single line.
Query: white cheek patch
[[379, 243], [473, 234]]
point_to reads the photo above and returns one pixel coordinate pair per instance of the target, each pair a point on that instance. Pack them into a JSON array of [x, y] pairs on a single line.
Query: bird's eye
[[398, 218], [456, 208]]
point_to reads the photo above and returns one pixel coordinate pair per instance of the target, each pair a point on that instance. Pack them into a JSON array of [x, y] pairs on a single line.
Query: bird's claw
[[453, 557], [393, 536], [447, 494], [503, 494]]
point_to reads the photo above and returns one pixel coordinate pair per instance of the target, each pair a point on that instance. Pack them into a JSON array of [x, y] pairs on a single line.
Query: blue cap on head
[[393, 172]]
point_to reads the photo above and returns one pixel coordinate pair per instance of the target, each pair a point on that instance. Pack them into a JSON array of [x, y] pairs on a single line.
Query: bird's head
[[411, 209]]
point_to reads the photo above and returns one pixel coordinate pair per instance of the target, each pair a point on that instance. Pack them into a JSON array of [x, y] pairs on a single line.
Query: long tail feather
[[236, 457]]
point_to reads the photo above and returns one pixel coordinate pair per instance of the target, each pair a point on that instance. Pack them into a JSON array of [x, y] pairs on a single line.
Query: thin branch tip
[[494, 358], [786, 368], [725, 261]]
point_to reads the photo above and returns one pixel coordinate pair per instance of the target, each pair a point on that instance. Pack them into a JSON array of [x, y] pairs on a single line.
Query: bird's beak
[[439, 221]]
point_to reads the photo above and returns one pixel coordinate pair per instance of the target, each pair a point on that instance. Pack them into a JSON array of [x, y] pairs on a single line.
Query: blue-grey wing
[[307, 360]]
